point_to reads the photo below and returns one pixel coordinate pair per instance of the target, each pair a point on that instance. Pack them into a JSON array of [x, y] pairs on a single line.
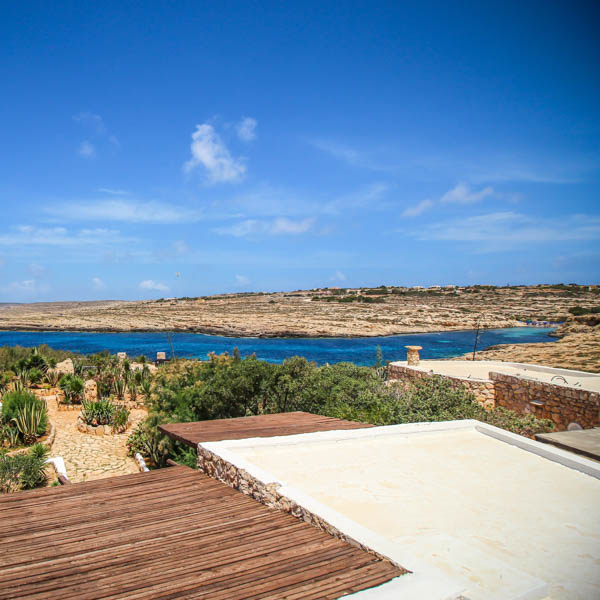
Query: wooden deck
[[249, 427], [171, 533]]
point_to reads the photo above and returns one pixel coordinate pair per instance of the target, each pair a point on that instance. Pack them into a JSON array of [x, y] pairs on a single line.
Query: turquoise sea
[[360, 351]]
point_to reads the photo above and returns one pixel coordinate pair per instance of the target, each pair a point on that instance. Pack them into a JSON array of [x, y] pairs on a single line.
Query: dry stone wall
[[482, 390], [562, 405]]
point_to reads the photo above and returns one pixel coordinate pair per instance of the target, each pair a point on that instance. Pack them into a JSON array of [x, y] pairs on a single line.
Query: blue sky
[[169, 149]]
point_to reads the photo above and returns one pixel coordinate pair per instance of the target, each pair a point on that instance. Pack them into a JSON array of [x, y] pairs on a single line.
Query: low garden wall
[[482, 390], [562, 405]]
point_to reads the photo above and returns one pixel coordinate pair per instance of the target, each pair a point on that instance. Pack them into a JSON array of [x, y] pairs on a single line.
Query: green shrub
[[98, 412], [153, 445], [35, 375], [23, 471], [14, 403], [73, 388], [105, 412], [28, 420]]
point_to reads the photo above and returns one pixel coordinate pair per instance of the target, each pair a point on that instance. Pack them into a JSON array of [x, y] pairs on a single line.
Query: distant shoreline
[[208, 332]]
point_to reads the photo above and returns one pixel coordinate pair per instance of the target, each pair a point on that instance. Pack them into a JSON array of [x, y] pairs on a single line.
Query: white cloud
[[246, 129], [113, 192], [36, 270], [462, 194], [124, 210], [419, 209], [28, 235], [375, 159], [181, 247], [501, 231], [209, 150], [95, 124], [242, 280], [91, 120], [27, 287], [97, 283], [338, 276], [279, 226], [149, 284], [87, 149]]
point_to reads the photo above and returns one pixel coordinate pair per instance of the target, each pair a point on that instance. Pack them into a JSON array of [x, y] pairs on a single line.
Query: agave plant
[[23, 376], [28, 420], [133, 389], [52, 377], [119, 386], [146, 387]]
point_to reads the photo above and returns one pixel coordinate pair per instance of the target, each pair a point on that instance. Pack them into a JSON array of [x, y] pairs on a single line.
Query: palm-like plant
[[28, 420], [52, 377], [132, 388], [23, 376], [119, 386]]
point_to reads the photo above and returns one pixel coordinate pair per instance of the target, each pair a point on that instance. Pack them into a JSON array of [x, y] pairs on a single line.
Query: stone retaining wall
[[99, 429], [562, 405], [482, 390], [216, 467]]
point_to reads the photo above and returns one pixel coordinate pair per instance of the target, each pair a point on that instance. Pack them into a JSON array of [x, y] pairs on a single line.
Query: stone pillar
[[412, 356]]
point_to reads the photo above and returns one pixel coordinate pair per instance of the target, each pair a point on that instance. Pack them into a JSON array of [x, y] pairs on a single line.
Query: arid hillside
[[329, 312], [578, 348]]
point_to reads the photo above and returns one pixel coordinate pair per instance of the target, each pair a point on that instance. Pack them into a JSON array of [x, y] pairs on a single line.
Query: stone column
[[412, 356]]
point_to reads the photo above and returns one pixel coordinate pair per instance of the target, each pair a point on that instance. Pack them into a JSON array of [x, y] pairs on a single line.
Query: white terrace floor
[[480, 369], [502, 520]]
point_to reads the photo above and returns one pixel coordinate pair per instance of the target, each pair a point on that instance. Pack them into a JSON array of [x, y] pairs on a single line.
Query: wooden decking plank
[[79, 574], [169, 534], [256, 426], [191, 540]]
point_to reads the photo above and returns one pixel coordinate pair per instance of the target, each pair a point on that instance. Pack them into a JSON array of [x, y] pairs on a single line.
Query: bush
[[16, 403], [105, 412], [23, 471], [73, 388]]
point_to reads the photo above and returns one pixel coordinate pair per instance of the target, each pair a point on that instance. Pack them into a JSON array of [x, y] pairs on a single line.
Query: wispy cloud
[[113, 192], [241, 280], [418, 209], [28, 235], [150, 284], [246, 129], [125, 210], [279, 226], [92, 121], [338, 276], [87, 149], [210, 152], [462, 194], [502, 231], [364, 159], [97, 283], [26, 287], [96, 128]]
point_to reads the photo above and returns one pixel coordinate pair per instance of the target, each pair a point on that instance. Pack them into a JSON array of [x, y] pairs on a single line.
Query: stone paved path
[[89, 457]]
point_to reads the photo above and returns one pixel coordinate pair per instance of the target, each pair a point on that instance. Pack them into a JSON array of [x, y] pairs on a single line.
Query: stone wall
[[216, 467], [562, 405], [482, 390]]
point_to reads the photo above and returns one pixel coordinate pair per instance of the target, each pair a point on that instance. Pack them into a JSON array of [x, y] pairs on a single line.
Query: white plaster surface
[[501, 520], [480, 369]]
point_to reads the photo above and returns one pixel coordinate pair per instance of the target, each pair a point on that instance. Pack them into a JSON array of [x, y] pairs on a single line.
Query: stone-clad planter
[[99, 429]]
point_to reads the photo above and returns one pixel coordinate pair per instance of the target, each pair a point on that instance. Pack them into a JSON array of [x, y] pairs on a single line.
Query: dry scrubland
[[323, 313], [578, 348]]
